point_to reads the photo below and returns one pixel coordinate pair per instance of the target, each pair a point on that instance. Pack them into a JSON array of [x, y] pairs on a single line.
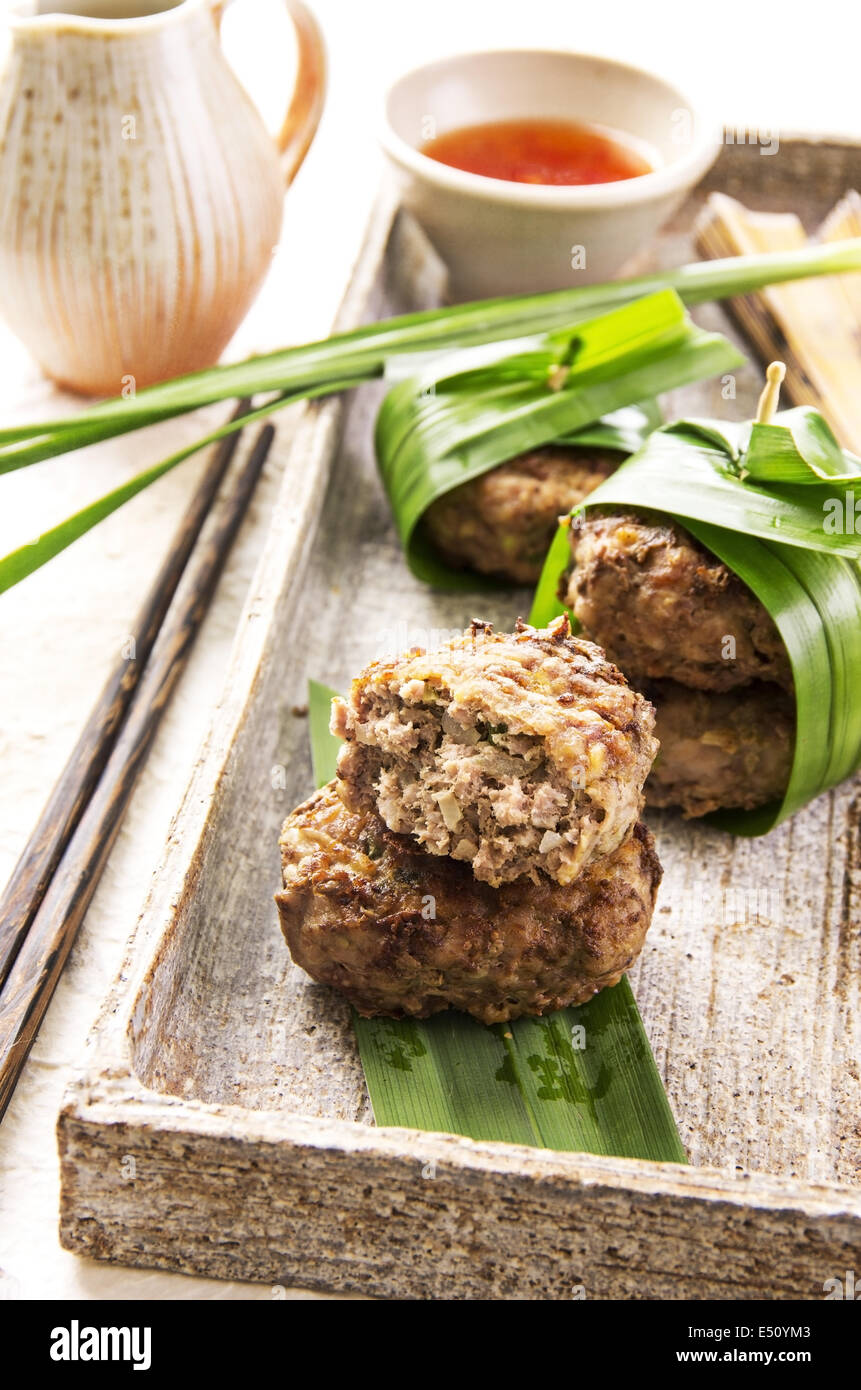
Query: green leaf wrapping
[[625, 430], [767, 500], [466, 412], [704, 483], [527, 1082]]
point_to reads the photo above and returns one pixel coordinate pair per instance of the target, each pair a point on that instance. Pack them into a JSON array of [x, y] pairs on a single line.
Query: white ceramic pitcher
[[140, 192]]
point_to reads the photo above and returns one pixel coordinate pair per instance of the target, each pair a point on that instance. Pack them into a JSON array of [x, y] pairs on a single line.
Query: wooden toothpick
[[770, 397]]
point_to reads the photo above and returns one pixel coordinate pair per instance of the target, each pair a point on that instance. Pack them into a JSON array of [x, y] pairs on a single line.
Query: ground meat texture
[[732, 749], [663, 607], [519, 753], [402, 933], [503, 522]]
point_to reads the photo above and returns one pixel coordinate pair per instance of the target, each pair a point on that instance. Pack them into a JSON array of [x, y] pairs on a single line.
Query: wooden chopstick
[[33, 977], [28, 884]]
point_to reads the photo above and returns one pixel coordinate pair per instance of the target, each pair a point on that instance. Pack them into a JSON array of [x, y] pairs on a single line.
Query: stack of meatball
[[688, 632], [481, 846]]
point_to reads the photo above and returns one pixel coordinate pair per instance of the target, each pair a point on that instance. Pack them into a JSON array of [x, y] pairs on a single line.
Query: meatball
[[721, 749], [503, 522], [518, 753], [400, 932], [663, 607]]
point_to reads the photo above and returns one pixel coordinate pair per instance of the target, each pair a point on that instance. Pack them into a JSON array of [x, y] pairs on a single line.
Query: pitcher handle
[[309, 94]]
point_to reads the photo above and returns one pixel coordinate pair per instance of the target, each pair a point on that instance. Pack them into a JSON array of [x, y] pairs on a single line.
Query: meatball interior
[[664, 608], [402, 933], [721, 749], [502, 523], [518, 753]]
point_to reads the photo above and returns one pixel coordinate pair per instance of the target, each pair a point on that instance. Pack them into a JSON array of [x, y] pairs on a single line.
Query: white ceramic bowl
[[498, 237]]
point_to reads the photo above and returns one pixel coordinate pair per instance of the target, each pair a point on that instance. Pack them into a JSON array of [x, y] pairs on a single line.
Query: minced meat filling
[[520, 753]]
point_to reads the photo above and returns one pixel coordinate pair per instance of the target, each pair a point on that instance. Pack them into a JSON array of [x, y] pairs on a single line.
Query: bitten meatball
[[400, 932], [730, 749], [663, 607], [503, 522], [519, 753]]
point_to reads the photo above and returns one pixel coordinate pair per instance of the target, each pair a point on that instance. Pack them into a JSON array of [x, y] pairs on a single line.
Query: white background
[[792, 67]]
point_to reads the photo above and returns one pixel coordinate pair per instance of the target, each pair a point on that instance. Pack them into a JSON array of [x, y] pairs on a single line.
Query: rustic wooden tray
[[221, 1125]]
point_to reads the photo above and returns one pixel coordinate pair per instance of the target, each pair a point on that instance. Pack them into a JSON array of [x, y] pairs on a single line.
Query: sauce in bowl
[[540, 152]]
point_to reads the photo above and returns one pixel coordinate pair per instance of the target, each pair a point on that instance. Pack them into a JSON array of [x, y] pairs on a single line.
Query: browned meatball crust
[[515, 752], [401, 932], [663, 607], [721, 750], [503, 522]]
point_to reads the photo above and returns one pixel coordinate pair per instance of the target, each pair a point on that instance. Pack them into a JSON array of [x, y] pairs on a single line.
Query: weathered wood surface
[[235, 1083], [328, 1204]]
